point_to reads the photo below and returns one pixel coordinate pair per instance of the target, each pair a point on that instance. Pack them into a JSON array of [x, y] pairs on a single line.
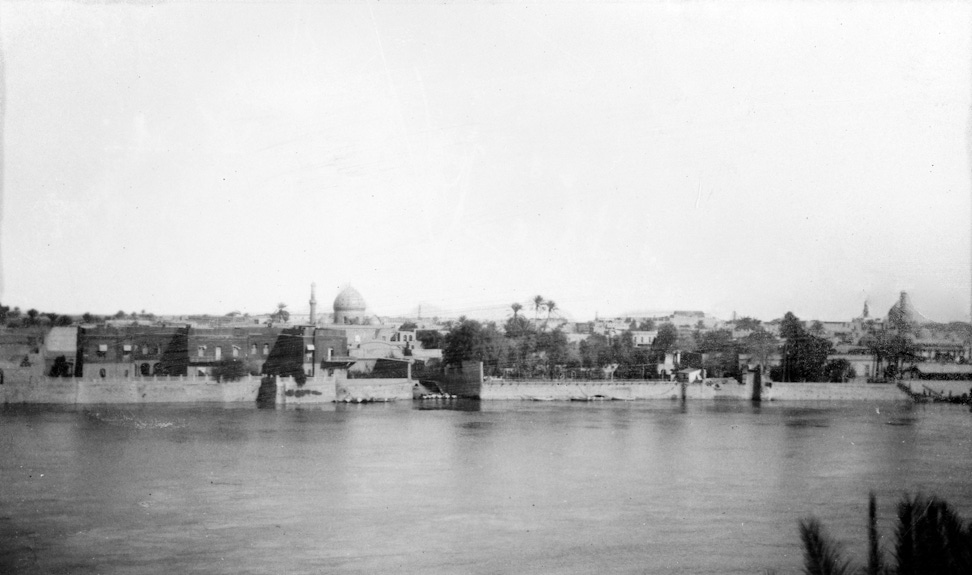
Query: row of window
[[102, 350], [218, 351]]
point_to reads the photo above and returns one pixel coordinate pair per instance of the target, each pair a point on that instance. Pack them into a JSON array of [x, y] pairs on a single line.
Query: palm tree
[[537, 304], [551, 306], [930, 537], [516, 308]]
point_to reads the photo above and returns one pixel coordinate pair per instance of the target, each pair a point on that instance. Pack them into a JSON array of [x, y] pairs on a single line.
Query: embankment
[[78, 391], [617, 389], [823, 391]]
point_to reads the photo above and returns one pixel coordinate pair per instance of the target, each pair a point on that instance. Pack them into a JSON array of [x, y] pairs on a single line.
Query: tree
[[87, 318], [551, 306], [408, 326], [281, 315], [748, 323], [32, 316], [890, 350], [930, 538], [468, 339], [838, 370], [817, 328], [537, 304], [516, 308], [119, 314], [517, 326], [553, 347], [804, 355], [720, 353], [429, 338], [761, 345], [647, 325], [230, 369], [666, 338], [791, 327], [64, 320]]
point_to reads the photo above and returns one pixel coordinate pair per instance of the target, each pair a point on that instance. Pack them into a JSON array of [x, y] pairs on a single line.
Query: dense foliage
[[930, 539]]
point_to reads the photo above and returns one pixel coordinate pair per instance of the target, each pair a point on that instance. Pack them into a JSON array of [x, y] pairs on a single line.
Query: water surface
[[461, 487]]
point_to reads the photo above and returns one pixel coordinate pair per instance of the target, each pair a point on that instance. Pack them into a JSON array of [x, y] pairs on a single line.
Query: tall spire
[[313, 306]]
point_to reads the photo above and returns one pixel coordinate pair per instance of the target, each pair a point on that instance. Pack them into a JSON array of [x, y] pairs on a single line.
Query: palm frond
[[821, 554]]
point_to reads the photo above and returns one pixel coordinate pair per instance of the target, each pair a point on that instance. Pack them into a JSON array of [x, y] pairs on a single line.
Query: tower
[[313, 306]]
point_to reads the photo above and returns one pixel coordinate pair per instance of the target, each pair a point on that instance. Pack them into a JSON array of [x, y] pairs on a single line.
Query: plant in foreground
[[930, 539]]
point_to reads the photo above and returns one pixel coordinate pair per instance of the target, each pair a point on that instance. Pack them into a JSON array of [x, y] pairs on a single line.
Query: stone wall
[[946, 388], [465, 381], [32, 388], [571, 390], [128, 390], [819, 391], [362, 390]]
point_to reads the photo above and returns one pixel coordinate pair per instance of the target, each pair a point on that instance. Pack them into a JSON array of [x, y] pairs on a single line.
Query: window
[[144, 368], [102, 350], [158, 350], [127, 349], [219, 353], [236, 351], [266, 349], [201, 351], [253, 349], [144, 350]]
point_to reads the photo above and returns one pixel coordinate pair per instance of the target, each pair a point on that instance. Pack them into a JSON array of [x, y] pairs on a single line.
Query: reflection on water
[[460, 486]]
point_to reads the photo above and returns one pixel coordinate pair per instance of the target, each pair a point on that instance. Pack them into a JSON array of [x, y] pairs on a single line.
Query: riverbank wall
[[35, 389], [627, 390], [825, 391]]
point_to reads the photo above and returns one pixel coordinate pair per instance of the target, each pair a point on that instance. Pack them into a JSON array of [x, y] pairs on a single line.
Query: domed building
[[903, 316], [350, 307]]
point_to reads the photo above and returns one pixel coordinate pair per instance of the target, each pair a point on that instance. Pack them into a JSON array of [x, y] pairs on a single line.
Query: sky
[[747, 157]]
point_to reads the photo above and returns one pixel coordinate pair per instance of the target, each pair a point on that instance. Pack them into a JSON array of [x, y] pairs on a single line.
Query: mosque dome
[[903, 314], [349, 300]]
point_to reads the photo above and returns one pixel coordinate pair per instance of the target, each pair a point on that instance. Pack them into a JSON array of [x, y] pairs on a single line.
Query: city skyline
[[750, 158]]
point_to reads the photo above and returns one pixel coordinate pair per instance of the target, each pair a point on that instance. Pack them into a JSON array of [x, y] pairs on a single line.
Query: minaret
[[866, 311], [313, 306]]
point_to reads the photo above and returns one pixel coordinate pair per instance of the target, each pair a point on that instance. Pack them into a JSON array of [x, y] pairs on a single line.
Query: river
[[461, 486]]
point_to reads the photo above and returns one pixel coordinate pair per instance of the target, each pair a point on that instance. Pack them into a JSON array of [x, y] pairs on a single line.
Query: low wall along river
[[320, 389], [32, 388]]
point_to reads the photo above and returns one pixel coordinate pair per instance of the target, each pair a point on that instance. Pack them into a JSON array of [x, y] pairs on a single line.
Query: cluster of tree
[[891, 350], [520, 347], [16, 318], [804, 352], [280, 315], [527, 349], [231, 369]]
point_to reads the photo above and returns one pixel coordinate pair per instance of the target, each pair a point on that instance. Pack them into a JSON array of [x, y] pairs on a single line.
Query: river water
[[461, 487]]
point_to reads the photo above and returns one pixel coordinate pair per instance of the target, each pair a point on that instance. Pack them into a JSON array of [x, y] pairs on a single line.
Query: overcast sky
[[752, 157]]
